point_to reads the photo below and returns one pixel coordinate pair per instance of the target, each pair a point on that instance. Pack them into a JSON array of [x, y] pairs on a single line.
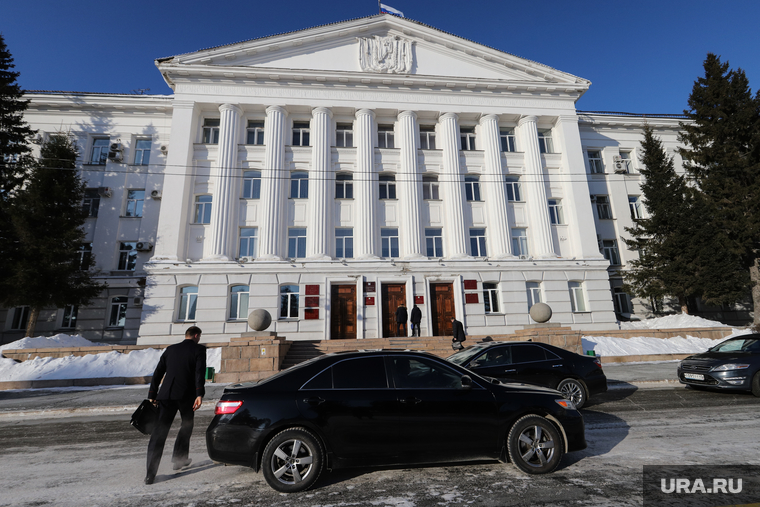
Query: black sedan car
[[577, 377], [733, 364], [386, 408]]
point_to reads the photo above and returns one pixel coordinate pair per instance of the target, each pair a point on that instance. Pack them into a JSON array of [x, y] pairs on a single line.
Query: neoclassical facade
[[331, 174]]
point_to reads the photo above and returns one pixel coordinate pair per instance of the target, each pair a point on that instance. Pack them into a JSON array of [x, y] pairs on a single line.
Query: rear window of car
[[527, 353], [358, 373]]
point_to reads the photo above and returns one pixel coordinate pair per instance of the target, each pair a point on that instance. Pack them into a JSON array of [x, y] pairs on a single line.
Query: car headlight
[[730, 366], [565, 404]]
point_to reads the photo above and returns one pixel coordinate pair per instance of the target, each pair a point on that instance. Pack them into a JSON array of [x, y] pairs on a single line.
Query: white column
[[451, 186], [365, 186], [272, 175], [321, 187], [535, 191], [495, 194], [410, 187]]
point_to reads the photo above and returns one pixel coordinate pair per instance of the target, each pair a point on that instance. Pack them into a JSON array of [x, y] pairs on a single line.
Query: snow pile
[[671, 322], [612, 346], [43, 342]]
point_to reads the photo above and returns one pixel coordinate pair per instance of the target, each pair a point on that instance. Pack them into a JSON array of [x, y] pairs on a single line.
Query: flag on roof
[[386, 9]]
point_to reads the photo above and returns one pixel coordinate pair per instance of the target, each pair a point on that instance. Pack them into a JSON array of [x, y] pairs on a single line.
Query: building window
[[251, 184], [202, 209], [472, 188], [478, 243], [69, 317], [344, 243], [344, 186], [344, 135], [430, 188], [595, 162], [385, 136], [434, 242], [118, 315], [545, 144], [299, 185], [534, 293], [135, 200], [491, 297], [467, 136], [555, 212], [577, 300], [301, 133], [91, 202], [289, 301], [20, 318], [297, 243], [211, 131], [255, 132], [188, 301], [513, 188], [626, 161], [507, 139], [239, 302], [427, 137], [387, 186], [603, 209], [100, 147], [142, 152], [520, 242], [248, 242], [609, 249], [84, 256], [634, 203], [622, 301], [127, 256], [389, 243]]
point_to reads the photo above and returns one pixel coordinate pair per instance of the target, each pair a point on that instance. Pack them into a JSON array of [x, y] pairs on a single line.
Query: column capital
[[322, 110], [230, 107], [528, 119], [404, 114], [365, 112], [449, 116], [487, 118], [277, 109], [569, 118]]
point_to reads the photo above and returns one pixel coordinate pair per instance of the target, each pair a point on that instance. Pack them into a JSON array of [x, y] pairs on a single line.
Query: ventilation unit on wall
[[164, 149], [144, 246], [116, 152], [155, 194], [105, 191]]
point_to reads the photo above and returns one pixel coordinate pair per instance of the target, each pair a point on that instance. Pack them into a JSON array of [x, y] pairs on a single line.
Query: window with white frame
[[467, 137], [603, 208], [344, 186], [239, 302], [210, 131], [69, 320], [289, 301], [389, 243], [255, 132], [427, 137], [609, 248], [251, 184], [299, 185], [556, 216], [91, 202], [622, 301], [100, 147], [478, 243], [188, 301], [142, 151], [249, 239], [545, 143], [430, 188], [127, 256], [344, 135], [344, 243], [301, 133], [534, 293], [626, 161], [514, 193], [135, 200], [491, 297], [84, 256], [577, 299], [297, 242], [595, 162], [117, 316], [387, 186], [202, 209], [385, 136], [434, 242], [20, 318], [472, 187], [507, 139], [634, 203], [520, 242]]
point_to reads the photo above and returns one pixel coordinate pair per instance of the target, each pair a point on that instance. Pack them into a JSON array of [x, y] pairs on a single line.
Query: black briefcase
[[145, 417]]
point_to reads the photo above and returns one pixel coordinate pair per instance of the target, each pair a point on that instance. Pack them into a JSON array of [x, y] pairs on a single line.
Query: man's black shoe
[[149, 479], [182, 464]]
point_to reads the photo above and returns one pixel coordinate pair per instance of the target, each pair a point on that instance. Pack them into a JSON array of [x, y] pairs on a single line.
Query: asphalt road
[[100, 460]]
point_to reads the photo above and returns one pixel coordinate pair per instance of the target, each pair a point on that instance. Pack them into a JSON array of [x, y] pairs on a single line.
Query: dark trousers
[[415, 329], [167, 409], [400, 328]]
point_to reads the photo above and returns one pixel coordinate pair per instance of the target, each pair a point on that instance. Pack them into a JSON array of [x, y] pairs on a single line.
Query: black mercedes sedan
[[387, 408], [577, 377], [733, 364]]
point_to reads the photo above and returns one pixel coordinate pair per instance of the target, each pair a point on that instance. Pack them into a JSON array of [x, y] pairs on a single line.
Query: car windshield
[[465, 355], [738, 345]]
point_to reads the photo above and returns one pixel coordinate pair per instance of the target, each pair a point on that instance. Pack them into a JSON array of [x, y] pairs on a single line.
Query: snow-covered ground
[[143, 362]]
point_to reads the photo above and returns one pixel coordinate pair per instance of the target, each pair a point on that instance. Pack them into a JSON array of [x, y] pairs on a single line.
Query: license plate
[[694, 376]]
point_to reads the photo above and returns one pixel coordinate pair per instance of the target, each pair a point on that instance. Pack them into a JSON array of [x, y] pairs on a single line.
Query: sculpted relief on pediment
[[385, 55]]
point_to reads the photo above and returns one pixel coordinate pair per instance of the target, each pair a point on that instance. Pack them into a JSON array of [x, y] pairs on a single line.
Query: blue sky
[[641, 56]]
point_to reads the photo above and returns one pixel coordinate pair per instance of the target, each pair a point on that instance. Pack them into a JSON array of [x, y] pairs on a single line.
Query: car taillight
[[227, 407], [598, 362]]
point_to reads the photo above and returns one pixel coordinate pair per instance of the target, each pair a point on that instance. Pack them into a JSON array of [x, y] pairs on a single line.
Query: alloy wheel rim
[[292, 461], [536, 446], [572, 392]]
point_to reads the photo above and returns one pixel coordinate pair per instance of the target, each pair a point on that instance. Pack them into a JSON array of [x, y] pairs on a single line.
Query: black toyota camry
[[733, 364], [387, 408]]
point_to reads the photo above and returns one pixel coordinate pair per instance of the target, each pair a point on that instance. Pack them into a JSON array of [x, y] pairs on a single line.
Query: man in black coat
[[182, 367], [457, 330], [401, 317], [415, 318]]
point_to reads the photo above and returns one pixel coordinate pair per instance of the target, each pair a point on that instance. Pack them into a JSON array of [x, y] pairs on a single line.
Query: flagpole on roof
[[379, 8]]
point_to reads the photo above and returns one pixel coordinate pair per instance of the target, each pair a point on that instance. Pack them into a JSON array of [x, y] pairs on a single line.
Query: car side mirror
[[466, 382]]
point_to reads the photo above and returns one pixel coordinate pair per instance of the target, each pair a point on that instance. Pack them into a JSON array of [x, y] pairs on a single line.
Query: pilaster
[[410, 187], [321, 187], [451, 186], [499, 246], [365, 186], [272, 175], [535, 190]]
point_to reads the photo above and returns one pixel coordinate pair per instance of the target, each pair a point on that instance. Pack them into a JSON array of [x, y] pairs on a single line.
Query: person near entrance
[[401, 317], [415, 318], [182, 367], [457, 330]]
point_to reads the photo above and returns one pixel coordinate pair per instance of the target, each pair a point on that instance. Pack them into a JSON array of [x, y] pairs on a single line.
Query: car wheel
[[573, 390], [293, 460], [535, 445], [756, 384]]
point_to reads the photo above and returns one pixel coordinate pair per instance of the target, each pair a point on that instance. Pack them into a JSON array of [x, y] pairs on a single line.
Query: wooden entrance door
[[441, 308], [343, 312], [394, 295]]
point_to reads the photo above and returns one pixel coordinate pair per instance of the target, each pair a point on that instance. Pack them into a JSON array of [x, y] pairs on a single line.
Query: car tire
[[534, 445], [573, 390], [756, 384], [293, 460]]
